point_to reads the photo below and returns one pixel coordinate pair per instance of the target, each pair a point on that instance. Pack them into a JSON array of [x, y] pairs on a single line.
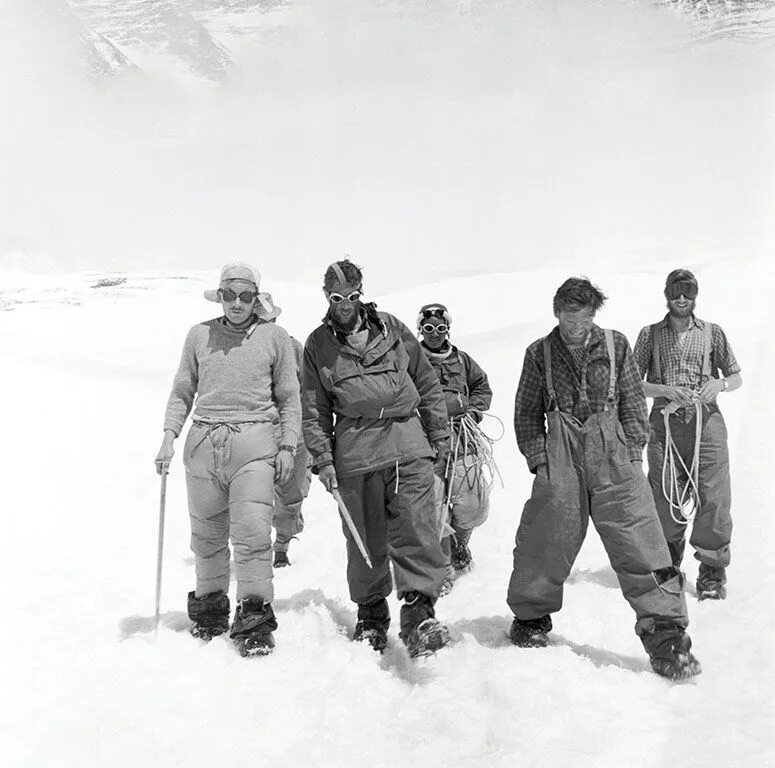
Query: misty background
[[425, 139]]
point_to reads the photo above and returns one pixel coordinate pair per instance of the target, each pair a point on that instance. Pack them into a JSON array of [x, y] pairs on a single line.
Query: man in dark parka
[[375, 421]]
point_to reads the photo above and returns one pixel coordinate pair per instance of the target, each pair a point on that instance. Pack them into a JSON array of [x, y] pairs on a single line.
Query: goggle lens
[[431, 328], [245, 296], [681, 288], [338, 298]]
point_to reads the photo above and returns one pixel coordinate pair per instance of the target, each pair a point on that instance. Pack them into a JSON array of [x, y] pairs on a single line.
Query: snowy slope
[[88, 364]]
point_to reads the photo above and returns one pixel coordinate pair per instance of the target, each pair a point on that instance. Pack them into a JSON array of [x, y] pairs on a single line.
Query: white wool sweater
[[237, 376]]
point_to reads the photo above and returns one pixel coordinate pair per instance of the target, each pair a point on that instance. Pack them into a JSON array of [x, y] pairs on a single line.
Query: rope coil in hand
[[683, 497], [470, 441]]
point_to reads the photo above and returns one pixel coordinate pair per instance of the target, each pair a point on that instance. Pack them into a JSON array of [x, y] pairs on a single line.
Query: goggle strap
[[338, 272]]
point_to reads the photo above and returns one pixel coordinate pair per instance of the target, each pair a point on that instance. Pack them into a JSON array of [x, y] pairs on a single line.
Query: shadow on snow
[[131, 626], [487, 631]]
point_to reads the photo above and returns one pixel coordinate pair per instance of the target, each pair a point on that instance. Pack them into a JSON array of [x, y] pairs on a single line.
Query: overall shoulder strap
[[548, 370], [656, 332], [609, 343], [708, 334]]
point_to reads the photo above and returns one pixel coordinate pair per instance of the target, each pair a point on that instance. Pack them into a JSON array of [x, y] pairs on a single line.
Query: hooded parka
[[373, 414], [387, 401]]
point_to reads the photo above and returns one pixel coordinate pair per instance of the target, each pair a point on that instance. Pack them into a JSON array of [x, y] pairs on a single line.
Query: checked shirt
[[581, 386], [681, 363]]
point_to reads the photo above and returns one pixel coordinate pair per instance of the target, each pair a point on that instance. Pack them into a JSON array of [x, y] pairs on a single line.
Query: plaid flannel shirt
[[681, 365], [532, 400]]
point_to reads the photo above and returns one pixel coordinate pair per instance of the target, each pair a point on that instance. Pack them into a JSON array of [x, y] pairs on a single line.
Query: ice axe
[[160, 549], [351, 525]]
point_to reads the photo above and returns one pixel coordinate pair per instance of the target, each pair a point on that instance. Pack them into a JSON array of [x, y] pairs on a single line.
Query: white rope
[[470, 440], [683, 498]]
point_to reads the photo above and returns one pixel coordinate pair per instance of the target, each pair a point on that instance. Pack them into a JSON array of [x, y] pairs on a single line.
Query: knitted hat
[[237, 270]]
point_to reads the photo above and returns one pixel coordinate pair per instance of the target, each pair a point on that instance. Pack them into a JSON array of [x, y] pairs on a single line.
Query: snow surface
[[88, 683], [475, 152]]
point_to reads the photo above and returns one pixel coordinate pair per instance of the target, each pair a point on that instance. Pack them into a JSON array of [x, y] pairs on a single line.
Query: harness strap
[[548, 372], [609, 343], [656, 332], [708, 334]]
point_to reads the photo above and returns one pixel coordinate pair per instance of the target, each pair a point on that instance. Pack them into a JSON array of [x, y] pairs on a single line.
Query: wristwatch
[[724, 385], [290, 448]]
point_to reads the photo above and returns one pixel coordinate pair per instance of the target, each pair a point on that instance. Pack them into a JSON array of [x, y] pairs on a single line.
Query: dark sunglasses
[[228, 295], [431, 328], [338, 298], [681, 288], [434, 312]]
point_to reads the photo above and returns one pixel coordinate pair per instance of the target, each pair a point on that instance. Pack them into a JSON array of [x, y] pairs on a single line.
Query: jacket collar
[[369, 318], [446, 350], [596, 335], [247, 330]]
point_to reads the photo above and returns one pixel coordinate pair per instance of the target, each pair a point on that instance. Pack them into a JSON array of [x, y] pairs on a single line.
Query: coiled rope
[[469, 441], [682, 496]]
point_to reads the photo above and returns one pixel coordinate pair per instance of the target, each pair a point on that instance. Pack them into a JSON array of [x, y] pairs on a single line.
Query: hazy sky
[[422, 142]]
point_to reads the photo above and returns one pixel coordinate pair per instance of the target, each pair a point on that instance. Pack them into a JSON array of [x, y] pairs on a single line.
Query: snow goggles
[[681, 288], [431, 328], [245, 296], [338, 298]]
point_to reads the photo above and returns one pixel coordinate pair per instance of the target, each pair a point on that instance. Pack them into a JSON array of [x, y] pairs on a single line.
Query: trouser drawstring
[[211, 426]]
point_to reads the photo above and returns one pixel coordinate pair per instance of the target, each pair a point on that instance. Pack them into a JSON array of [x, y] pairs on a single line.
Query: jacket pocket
[[382, 390]]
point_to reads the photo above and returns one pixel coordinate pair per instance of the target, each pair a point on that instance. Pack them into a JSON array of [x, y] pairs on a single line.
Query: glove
[[440, 452]]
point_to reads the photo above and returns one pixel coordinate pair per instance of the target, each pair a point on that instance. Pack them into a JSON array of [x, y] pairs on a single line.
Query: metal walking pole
[[160, 549], [351, 525]]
